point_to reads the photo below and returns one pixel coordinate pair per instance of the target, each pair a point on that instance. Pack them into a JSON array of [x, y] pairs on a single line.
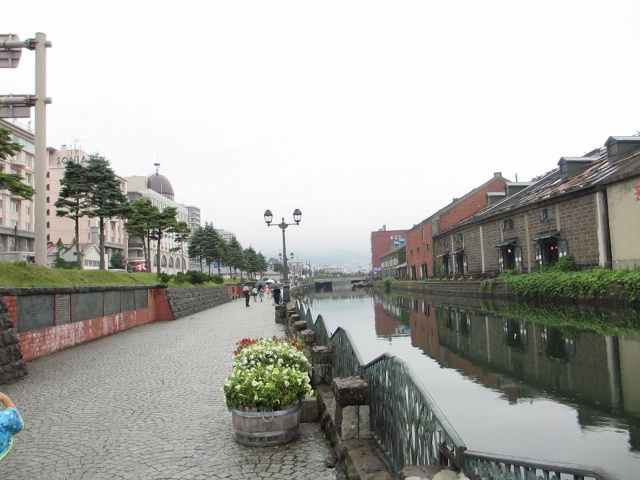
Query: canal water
[[539, 381]]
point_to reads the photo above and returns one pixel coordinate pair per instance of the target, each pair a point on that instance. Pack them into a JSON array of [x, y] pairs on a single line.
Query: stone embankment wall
[[12, 365], [187, 301], [472, 289]]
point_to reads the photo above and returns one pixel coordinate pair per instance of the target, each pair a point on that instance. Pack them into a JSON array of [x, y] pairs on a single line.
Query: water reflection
[[533, 384]]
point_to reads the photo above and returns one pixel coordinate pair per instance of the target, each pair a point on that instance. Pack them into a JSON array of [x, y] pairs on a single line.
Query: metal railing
[[410, 428], [406, 422], [480, 466]]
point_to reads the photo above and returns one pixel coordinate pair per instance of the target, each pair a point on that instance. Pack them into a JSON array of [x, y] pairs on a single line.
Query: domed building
[[160, 183], [158, 190]]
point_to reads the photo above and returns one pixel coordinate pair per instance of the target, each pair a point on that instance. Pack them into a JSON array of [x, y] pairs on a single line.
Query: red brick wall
[[159, 305], [38, 343], [470, 205], [423, 251], [12, 308], [382, 242], [234, 290], [418, 251]]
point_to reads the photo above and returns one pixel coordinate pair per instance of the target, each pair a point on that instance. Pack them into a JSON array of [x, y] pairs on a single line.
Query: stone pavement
[[146, 404]]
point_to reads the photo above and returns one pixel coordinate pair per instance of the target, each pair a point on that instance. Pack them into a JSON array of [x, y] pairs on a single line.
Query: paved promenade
[[146, 404]]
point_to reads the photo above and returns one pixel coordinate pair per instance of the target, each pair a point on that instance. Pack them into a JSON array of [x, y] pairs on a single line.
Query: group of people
[[260, 291]]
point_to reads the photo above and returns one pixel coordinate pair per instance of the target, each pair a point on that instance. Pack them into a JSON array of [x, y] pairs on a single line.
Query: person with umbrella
[[261, 286]]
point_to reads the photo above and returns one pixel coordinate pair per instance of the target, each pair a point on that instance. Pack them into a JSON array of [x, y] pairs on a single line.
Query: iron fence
[[411, 430]]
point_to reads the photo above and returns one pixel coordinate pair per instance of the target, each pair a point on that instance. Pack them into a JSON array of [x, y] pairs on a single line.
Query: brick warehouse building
[[421, 262], [589, 207], [381, 242]]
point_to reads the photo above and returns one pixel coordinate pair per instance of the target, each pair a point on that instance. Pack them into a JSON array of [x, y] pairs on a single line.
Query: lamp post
[[268, 218]]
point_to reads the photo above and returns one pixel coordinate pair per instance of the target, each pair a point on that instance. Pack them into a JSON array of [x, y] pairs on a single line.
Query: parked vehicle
[[15, 256]]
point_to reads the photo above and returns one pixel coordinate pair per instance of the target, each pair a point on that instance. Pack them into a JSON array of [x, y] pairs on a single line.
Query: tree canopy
[[72, 200], [12, 181], [106, 198]]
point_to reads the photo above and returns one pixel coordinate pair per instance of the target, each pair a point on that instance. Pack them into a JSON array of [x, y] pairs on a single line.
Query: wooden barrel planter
[[260, 428]]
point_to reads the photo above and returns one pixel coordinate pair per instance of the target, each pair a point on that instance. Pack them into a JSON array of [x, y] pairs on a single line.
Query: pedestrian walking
[[246, 290], [267, 291], [254, 293], [276, 295], [10, 424], [261, 292]]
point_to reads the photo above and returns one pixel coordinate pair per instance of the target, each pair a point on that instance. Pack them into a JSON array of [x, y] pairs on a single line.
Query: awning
[[511, 241], [459, 251], [402, 265], [444, 254], [544, 236]]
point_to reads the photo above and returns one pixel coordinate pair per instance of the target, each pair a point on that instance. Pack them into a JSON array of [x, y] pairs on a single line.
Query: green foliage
[[116, 260], [556, 282], [164, 277], [234, 254], [565, 264], [141, 223], [180, 278], [207, 245], [93, 191], [11, 181], [386, 283], [195, 277], [64, 264], [13, 274], [268, 373], [217, 279]]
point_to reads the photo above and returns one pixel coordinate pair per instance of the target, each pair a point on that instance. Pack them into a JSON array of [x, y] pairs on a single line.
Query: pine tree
[[181, 235], [73, 202], [166, 224], [141, 223], [106, 198], [235, 255]]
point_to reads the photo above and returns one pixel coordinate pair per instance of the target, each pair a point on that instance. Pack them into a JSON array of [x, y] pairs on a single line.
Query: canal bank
[[614, 296], [551, 393]]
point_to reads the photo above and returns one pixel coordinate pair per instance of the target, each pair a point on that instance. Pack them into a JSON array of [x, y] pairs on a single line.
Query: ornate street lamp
[[268, 218]]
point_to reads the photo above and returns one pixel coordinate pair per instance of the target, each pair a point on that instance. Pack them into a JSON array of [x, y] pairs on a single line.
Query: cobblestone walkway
[[146, 404]]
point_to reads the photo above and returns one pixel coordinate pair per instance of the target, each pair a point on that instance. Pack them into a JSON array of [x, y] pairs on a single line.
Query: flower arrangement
[[268, 373]]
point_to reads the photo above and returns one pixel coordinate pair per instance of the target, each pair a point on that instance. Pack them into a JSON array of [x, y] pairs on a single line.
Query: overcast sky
[[359, 113]]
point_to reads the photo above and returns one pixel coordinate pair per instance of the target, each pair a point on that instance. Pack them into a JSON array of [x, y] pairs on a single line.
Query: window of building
[[27, 226], [13, 206], [27, 209]]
